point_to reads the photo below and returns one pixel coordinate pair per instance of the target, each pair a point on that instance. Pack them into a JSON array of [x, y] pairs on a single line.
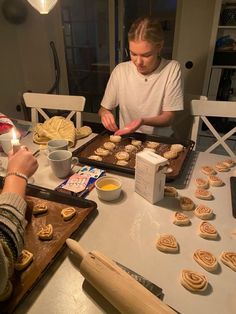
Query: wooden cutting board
[[44, 252]]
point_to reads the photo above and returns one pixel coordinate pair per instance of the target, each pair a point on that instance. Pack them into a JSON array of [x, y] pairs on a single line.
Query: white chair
[[38, 102], [203, 108]]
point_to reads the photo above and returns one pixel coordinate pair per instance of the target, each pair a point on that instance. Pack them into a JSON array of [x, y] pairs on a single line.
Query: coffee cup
[[62, 162], [57, 145]]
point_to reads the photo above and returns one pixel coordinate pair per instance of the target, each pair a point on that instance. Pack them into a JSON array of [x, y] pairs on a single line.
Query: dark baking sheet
[[109, 162], [44, 252]]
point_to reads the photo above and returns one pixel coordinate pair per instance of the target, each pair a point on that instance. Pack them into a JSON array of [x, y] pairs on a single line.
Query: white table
[[126, 231]]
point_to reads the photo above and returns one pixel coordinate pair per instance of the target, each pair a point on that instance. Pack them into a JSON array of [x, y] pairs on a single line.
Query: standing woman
[[147, 89]]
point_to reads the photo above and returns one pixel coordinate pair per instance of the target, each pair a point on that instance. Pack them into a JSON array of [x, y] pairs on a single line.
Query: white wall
[[26, 57]]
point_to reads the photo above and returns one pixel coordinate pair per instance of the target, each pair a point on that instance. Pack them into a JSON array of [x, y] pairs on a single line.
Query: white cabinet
[[219, 82]]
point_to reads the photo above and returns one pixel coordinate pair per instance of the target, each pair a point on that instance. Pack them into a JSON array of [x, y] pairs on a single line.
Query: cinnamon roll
[[208, 170], [186, 203], [102, 152], [115, 138], [229, 259], [203, 194], [202, 183], [221, 167], [122, 155], [203, 212], [46, 232], [109, 145], [181, 219], [193, 281], [68, 213], [205, 259], [215, 181], [207, 231], [167, 243], [170, 191], [24, 260]]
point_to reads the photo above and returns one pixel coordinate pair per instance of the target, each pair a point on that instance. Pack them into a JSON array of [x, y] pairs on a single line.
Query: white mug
[[62, 162], [57, 145]]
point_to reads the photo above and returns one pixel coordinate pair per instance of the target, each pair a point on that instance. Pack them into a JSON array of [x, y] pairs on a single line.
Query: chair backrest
[[37, 102], [202, 109]]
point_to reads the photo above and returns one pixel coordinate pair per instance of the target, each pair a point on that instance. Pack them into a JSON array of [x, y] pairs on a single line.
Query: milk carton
[[150, 175]]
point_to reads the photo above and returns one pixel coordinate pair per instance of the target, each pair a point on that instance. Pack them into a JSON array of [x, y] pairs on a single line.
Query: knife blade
[[154, 289]]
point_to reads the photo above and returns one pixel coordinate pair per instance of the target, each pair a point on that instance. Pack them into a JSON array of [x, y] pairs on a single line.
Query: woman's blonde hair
[[147, 29]]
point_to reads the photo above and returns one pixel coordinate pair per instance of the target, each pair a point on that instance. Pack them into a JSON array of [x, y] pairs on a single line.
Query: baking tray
[[44, 252], [109, 162]]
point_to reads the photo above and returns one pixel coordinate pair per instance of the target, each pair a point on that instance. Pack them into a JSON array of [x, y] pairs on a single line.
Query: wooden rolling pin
[[118, 287]]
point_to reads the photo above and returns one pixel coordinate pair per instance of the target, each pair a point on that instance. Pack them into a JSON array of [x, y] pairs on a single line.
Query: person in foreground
[[148, 88], [21, 166]]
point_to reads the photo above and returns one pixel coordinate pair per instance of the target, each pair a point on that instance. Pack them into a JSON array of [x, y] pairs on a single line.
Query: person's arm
[[162, 120], [21, 166], [107, 119], [21, 163]]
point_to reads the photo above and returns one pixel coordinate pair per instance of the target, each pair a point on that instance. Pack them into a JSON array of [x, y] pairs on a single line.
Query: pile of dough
[[153, 145], [202, 183], [215, 181], [109, 145], [40, 208], [167, 243], [115, 138], [206, 259], [23, 260], [95, 157], [67, 213], [229, 163], [193, 281], [102, 152], [186, 203], [122, 162], [207, 231], [178, 148], [122, 155], [203, 194], [229, 259], [130, 148], [203, 212], [46, 232], [181, 219], [170, 191], [221, 167], [136, 143], [170, 154], [208, 170]]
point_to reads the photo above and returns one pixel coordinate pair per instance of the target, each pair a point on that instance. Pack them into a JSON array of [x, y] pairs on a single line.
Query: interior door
[[191, 43]]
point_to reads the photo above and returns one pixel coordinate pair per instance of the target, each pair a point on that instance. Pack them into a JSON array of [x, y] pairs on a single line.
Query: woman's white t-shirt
[[144, 96]]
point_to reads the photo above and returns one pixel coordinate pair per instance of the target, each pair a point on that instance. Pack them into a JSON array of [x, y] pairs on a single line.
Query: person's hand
[[108, 121], [130, 128], [22, 161]]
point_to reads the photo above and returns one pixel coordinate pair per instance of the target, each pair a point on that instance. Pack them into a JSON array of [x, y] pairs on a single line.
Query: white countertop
[[126, 231]]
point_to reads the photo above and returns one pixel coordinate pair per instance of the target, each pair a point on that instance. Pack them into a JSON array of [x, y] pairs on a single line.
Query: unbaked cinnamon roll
[[203, 212], [207, 231], [229, 259], [167, 243], [193, 281], [205, 259]]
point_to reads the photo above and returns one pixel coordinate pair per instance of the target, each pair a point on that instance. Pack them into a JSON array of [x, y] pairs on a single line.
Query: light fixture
[[43, 6]]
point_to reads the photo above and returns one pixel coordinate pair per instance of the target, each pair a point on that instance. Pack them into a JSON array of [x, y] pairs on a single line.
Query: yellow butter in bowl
[[108, 188]]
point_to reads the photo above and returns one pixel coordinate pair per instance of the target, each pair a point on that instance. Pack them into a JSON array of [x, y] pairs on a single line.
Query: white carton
[[150, 175]]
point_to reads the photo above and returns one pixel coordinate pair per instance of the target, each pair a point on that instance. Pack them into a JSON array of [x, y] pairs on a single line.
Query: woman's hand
[[130, 128], [22, 161], [108, 119]]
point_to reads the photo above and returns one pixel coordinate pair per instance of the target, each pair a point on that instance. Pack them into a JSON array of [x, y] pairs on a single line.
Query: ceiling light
[[43, 6]]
